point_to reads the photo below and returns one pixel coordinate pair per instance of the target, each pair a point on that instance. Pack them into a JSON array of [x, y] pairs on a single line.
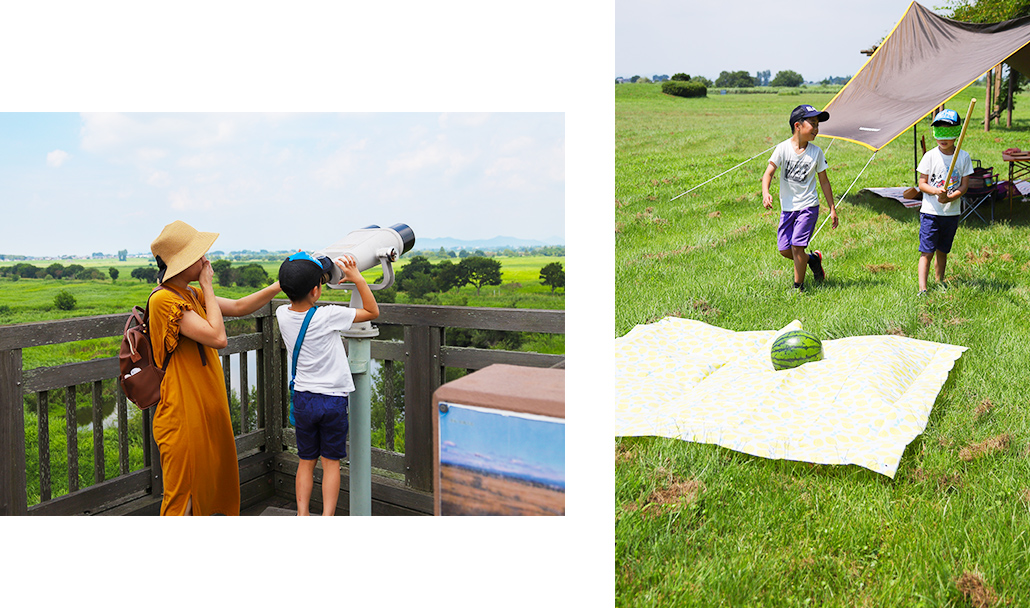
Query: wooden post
[[422, 376], [987, 106], [13, 499], [388, 374], [1012, 86], [157, 484], [996, 106], [98, 433], [71, 435], [272, 396], [43, 443]]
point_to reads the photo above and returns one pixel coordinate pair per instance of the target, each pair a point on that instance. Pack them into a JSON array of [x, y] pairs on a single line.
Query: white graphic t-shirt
[[798, 174], [934, 166]]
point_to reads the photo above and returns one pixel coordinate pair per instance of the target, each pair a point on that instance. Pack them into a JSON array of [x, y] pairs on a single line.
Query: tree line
[[741, 79], [417, 278], [25, 270], [420, 276]]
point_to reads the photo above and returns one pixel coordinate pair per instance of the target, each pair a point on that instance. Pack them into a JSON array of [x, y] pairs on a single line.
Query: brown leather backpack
[[140, 376]]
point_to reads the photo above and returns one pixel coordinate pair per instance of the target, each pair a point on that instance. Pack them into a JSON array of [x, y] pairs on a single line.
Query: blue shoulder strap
[[296, 353]]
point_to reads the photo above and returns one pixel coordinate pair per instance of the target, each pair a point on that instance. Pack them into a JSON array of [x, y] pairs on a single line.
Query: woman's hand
[[207, 274]]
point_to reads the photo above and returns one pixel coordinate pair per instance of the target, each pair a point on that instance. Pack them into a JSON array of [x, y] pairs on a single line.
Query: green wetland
[[28, 300]]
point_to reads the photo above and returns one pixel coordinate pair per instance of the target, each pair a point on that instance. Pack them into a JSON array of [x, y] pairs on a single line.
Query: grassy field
[[700, 525]]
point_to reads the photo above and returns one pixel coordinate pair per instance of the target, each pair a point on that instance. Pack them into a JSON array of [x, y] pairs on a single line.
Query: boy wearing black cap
[[939, 214], [323, 380], [801, 162]]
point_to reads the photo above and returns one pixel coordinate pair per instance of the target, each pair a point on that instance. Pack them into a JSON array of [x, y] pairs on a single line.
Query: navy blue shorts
[[321, 425], [937, 232]]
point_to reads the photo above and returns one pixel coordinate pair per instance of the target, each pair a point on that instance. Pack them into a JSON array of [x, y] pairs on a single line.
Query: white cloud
[[159, 179], [57, 158], [463, 120], [439, 154]]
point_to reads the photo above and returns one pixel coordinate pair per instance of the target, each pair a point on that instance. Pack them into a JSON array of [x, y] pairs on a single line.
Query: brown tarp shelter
[[921, 64]]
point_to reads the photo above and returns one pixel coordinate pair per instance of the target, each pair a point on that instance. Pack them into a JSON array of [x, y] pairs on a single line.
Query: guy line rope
[[845, 195], [766, 151]]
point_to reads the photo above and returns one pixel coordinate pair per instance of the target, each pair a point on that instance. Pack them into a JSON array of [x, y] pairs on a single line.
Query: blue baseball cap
[[301, 272], [806, 111], [946, 118]]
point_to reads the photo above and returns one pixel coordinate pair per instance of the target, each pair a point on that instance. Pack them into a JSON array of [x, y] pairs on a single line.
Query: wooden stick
[[958, 144]]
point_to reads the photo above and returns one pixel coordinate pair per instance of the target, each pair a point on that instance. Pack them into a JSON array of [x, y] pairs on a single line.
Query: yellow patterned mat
[[862, 404]]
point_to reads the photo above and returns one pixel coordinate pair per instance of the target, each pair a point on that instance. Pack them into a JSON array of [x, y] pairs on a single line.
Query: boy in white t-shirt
[[323, 378], [939, 214], [801, 162]]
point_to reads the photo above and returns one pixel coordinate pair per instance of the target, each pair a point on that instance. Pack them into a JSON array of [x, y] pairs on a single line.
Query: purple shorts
[[796, 227]]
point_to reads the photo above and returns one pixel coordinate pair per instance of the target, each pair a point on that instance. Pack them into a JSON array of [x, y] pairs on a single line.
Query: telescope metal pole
[[359, 356]]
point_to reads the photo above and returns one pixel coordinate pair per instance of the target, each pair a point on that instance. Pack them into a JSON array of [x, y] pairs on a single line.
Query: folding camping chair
[[981, 190]]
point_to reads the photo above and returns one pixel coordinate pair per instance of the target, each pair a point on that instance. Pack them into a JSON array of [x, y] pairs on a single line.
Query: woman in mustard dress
[[192, 427]]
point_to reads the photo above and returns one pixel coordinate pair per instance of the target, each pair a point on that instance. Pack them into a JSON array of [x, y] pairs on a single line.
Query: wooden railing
[[401, 482]]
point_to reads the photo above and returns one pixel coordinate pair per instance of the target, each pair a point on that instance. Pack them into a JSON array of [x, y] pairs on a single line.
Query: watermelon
[[794, 348]]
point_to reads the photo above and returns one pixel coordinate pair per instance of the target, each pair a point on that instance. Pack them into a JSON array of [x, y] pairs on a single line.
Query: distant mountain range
[[494, 243]]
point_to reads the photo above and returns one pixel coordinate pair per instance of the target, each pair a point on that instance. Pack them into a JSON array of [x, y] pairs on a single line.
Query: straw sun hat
[[180, 245]]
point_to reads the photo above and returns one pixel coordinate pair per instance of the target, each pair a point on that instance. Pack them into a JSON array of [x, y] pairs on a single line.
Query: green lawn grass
[[700, 525]]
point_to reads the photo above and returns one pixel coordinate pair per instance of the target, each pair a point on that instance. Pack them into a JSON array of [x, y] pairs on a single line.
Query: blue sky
[[816, 40], [80, 183]]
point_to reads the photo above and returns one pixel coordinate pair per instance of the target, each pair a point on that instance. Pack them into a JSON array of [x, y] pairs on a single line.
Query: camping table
[[1019, 166]]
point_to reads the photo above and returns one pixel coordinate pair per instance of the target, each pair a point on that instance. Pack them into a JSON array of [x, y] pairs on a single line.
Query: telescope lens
[[407, 235]]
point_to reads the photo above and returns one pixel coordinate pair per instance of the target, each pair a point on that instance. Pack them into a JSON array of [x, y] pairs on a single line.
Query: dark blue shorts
[[321, 425], [937, 232]]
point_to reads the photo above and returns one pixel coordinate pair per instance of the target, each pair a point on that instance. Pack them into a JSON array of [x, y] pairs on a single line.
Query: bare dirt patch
[[973, 587], [991, 445]]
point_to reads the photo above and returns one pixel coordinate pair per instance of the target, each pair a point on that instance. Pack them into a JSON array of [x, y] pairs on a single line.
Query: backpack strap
[[146, 319], [296, 354]]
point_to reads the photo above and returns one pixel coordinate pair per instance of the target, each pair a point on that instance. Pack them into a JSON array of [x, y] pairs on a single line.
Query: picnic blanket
[[862, 404]]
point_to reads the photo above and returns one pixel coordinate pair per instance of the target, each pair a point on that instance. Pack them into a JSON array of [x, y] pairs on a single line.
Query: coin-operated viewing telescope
[[370, 246]]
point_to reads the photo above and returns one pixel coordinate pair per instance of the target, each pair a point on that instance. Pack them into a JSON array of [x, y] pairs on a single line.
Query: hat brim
[[190, 254], [822, 116]]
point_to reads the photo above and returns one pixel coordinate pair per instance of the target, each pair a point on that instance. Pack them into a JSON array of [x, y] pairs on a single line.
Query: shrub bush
[[684, 89], [64, 300], [681, 77]]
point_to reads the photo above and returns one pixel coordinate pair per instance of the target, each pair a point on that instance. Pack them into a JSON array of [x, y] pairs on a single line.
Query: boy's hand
[[349, 265], [833, 216], [767, 200]]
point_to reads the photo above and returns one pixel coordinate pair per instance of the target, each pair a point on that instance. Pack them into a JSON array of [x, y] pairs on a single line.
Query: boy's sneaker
[[815, 262], [799, 286]]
